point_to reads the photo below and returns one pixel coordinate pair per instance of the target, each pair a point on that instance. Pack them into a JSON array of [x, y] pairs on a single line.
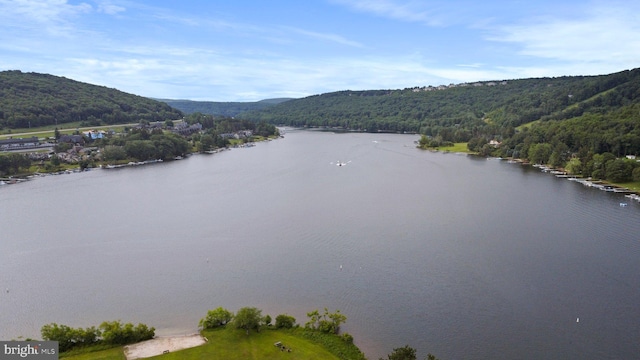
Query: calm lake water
[[463, 257]]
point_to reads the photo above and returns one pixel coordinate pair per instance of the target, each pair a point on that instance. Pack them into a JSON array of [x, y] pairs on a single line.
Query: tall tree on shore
[[248, 318]]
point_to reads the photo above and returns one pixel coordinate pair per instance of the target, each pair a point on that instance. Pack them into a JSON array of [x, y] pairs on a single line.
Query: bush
[[403, 353], [348, 338], [327, 322], [216, 318], [285, 321], [116, 333]]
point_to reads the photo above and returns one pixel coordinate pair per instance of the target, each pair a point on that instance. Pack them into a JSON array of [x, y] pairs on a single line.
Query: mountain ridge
[[229, 108], [29, 99]]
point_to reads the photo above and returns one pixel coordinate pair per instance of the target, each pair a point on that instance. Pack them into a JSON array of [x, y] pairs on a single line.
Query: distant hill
[[462, 108], [32, 99], [229, 109]]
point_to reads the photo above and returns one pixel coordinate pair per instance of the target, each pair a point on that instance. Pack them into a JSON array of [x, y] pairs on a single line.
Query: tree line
[[216, 125], [108, 333], [250, 318], [12, 163], [228, 109]]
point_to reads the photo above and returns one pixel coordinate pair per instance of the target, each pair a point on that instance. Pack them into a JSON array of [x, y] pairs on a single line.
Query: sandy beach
[[160, 345]]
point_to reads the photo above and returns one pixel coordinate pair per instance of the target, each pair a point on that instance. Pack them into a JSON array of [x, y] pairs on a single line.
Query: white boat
[[635, 197]]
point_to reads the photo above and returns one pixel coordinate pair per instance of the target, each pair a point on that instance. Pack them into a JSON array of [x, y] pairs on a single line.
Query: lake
[[460, 256]]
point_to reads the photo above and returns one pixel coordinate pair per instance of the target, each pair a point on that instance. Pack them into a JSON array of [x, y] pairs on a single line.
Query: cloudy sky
[[247, 50]]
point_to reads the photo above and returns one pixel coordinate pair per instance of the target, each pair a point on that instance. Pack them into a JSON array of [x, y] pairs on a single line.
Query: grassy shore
[[456, 148], [234, 344]]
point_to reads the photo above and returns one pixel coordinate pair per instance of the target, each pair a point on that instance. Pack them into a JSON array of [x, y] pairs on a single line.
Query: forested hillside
[[32, 99], [458, 112], [228, 109]]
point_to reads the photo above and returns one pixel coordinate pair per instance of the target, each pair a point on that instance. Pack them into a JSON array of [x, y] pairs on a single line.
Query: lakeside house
[[237, 135], [71, 139], [184, 129], [94, 134]]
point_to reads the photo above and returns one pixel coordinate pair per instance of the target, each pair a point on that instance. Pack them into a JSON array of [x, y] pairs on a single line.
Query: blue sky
[[247, 50]]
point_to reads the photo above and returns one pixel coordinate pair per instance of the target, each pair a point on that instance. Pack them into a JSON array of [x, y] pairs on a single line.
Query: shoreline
[[75, 168], [599, 184]]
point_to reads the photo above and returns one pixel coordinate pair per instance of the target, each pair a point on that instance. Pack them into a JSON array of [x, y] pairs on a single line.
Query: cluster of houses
[[450, 86], [183, 128], [34, 143], [237, 135], [78, 141]]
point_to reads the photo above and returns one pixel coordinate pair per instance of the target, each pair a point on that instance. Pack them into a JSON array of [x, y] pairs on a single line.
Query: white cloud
[[42, 11], [411, 11], [325, 37], [50, 16], [110, 8], [606, 35]]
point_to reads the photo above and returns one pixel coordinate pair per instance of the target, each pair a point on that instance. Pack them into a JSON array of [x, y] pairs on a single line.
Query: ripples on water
[[459, 256]]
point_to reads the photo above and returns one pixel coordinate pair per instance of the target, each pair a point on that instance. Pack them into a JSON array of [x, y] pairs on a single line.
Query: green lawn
[[110, 354], [457, 147], [633, 186], [234, 344]]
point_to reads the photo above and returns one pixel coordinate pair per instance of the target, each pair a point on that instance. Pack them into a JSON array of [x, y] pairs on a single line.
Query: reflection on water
[[459, 256]]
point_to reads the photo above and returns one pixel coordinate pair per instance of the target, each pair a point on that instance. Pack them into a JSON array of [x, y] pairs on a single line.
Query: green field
[[633, 186], [234, 344], [110, 354], [457, 147]]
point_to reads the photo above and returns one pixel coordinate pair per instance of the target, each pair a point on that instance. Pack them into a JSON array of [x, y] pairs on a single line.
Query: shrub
[[216, 318], [348, 338], [116, 333], [285, 321]]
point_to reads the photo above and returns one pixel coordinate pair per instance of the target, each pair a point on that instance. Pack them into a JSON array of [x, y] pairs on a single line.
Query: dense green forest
[[32, 100], [459, 112], [221, 108]]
